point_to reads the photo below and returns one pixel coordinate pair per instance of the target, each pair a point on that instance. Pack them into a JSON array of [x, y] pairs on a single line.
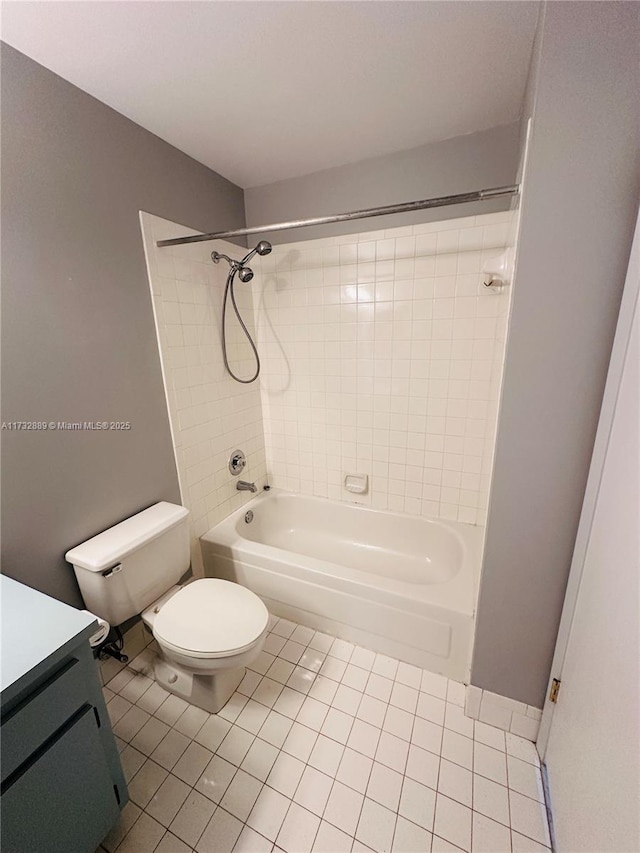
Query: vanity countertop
[[33, 627]]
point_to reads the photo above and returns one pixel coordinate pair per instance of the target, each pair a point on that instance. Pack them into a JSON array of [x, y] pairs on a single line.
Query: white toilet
[[207, 630]]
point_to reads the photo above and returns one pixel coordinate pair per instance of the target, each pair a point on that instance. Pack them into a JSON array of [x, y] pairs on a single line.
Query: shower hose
[[228, 291]]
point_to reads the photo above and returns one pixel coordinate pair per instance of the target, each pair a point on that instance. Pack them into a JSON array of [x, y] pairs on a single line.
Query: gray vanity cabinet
[[62, 782]]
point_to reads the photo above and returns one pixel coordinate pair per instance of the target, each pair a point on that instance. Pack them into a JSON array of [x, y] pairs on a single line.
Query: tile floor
[[325, 747]]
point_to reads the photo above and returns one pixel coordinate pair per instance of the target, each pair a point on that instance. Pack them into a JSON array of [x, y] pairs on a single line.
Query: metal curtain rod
[[406, 207]]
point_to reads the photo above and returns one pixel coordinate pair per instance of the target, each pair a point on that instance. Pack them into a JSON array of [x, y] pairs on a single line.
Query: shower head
[[263, 248], [244, 273]]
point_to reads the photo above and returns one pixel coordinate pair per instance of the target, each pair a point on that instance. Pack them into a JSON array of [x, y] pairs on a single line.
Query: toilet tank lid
[[113, 545]]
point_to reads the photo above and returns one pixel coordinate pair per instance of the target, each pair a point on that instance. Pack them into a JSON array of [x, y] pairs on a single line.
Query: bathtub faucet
[[243, 486]]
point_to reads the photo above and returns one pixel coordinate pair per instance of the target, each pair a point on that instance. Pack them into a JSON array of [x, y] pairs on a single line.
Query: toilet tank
[[127, 567]]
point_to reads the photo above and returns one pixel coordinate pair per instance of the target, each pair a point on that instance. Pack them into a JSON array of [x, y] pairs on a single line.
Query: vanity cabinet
[[62, 782]]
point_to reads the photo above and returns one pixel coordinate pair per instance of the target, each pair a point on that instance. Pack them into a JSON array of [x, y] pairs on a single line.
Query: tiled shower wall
[[382, 354], [211, 415]]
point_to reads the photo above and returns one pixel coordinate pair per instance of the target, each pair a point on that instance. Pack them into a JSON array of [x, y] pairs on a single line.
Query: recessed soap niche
[[357, 487]]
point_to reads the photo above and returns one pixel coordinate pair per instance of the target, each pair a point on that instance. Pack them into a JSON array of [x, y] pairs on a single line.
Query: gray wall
[[78, 336], [473, 162], [578, 214]]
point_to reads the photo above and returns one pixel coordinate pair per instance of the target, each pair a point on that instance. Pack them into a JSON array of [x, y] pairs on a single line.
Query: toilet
[[208, 630]]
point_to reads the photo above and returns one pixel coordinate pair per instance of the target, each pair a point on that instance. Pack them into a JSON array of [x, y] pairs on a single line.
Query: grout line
[[473, 774], [547, 804], [344, 746], [306, 695]]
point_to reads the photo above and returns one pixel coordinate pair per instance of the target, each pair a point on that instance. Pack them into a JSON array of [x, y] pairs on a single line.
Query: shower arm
[[215, 257], [405, 207]]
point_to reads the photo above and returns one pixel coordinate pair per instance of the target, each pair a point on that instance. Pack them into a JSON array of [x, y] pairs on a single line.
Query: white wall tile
[[364, 377], [210, 414], [381, 352], [502, 713], [525, 726]]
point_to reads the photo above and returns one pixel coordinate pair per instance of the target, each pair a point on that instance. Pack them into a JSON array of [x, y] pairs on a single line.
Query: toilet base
[[209, 692]]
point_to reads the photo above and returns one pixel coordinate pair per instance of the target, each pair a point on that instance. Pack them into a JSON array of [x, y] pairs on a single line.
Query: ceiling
[[262, 91]]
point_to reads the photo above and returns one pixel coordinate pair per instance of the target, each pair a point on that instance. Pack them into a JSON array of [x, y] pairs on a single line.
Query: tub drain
[[248, 516]]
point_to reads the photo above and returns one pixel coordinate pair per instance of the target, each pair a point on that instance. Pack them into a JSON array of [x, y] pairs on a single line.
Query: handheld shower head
[[245, 274], [263, 248]]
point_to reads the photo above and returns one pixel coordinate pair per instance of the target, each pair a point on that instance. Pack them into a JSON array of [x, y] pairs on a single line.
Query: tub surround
[[210, 414], [382, 354]]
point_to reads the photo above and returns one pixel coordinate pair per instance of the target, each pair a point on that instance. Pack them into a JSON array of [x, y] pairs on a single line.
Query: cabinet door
[[63, 799], [41, 715]]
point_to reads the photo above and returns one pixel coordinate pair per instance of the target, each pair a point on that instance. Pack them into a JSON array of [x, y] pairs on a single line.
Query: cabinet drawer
[[36, 718], [64, 799]]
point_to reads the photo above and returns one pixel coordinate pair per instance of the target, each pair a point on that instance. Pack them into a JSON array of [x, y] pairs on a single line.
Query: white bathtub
[[397, 584]]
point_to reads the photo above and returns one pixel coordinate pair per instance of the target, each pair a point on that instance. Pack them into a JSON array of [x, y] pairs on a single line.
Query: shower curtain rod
[[406, 207]]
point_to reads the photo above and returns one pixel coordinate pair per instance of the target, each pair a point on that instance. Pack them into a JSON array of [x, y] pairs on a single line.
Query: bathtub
[[396, 584]]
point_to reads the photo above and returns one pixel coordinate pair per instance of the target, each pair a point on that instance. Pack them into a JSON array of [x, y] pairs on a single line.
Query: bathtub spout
[[243, 486]]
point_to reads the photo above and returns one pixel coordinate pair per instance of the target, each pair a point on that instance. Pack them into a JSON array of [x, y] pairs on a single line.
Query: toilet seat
[[211, 618]]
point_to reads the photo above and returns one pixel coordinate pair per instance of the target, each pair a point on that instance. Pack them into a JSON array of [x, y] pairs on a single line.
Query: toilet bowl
[[207, 632]]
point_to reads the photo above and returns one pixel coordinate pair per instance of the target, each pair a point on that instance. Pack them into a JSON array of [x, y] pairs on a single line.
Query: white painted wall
[[266, 91]]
